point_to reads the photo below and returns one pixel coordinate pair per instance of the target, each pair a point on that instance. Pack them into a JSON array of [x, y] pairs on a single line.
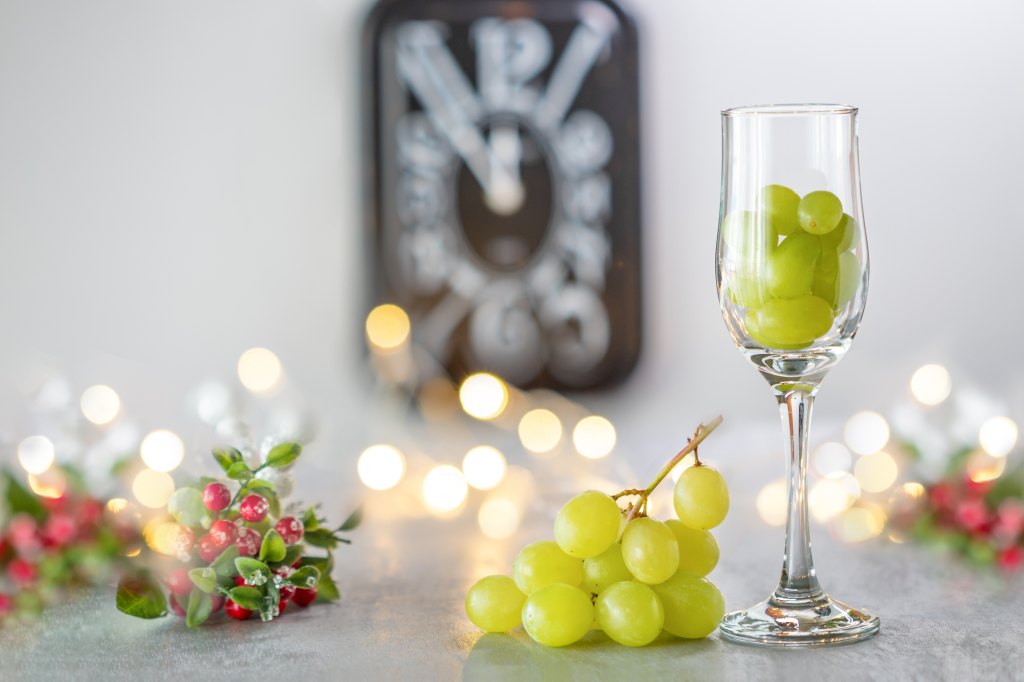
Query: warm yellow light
[[163, 537], [483, 395], [162, 450], [116, 505], [831, 458], [50, 484], [913, 489], [484, 467], [152, 488], [982, 467], [876, 472], [259, 370], [773, 502], [594, 437], [498, 518], [685, 463], [931, 384], [859, 523], [540, 430], [444, 489], [866, 432], [36, 454], [100, 404], [381, 466], [387, 327], [133, 552], [830, 497], [998, 435]]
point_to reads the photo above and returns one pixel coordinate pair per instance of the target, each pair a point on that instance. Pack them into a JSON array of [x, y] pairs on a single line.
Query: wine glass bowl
[[792, 274]]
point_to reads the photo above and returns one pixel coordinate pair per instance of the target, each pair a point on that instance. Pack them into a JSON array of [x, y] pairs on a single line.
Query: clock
[[502, 161]]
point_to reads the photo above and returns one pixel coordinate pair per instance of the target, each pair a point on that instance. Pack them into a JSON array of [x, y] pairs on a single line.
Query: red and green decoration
[[239, 551], [52, 545]]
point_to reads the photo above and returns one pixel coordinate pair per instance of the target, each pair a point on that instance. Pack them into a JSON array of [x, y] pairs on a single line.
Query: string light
[[998, 436], [866, 432], [116, 505], [100, 404], [982, 467], [829, 497], [498, 518], [387, 327], [931, 384], [162, 450], [876, 472], [381, 466], [540, 430], [773, 502], [483, 396], [444, 489], [484, 467], [859, 523], [49, 484], [259, 370], [594, 437], [152, 488], [36, 454]]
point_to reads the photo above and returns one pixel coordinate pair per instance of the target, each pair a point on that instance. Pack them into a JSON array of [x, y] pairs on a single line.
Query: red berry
[[254, 508], [216, 497], [287, 592], [6, 605], [281, 606], [239, 580], [177, 607], [21, 531], [60, 529], [290, 529], [208, 548], [90, 512], [184, 542], [1011, 558], [972, 514], [941, 495], [223, 533], [304, 597], [21, 572], [248, 542], [236, 611], [179, 583], [217, 602]]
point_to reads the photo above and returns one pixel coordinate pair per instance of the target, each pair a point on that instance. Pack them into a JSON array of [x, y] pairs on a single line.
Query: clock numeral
[[420, 144], [509, 55], [586, 251], [576, 323], [589, 199], [504, 336], [584, 143], [421, 198], [427, 255]]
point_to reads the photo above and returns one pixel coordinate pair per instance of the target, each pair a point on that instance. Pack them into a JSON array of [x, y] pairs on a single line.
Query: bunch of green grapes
[[793, 265], [631, 578]]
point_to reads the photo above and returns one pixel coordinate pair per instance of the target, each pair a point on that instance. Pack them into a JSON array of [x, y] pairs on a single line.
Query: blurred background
[[181, 182]]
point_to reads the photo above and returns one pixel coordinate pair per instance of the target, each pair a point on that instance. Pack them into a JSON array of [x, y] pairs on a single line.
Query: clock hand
[[506, 153], [585, 45]]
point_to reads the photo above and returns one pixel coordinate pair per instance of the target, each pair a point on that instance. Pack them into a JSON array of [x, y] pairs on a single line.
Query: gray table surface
[[401, 617]]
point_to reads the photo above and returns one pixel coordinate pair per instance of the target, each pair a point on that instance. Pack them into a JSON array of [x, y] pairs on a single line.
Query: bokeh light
[[831, 496], [116, 505], [100, 404], [387, 327], [444, 489], [438, 399], [162, 450], [259, 370], [594, 437], [876, 472], [831, 458], [152, 488], [498, 518], [685, 463], [998, 436], [982, 467], [483, 396], [913, 489], [50, 483], [540, 430], [484, 467], [866, 432], [773, 503], [858, 524], [163, 536], [931, 384], [381, 466], [36, 454]]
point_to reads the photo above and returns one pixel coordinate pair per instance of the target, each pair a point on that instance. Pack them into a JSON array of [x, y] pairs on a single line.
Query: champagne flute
[[792, 274]]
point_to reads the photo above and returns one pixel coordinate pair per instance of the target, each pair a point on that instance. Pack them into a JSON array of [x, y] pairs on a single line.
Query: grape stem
[[639, 508]]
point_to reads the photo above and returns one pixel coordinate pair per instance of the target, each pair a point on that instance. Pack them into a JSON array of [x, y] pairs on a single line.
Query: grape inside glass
[[792, 273]]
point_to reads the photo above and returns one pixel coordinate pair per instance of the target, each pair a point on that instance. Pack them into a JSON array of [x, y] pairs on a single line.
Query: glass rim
[[790, 109]]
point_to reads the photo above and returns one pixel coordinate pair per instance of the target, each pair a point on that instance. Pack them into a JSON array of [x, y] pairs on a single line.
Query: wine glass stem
[[798, 583]]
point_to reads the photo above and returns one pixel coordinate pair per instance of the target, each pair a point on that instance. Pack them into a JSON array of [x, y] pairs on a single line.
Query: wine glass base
[[819, 622]]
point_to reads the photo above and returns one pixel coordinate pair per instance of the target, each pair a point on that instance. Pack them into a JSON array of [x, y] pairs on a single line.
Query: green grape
[[748, 235], [701, 498], [849, 278], [747, 291], [630, 613], [820, 212], [607, 568], [650, 550], [588, 524], [698, 549], [543, 563], [825, 276], [843, 238], [791, 323], [791, 265], [558, 614], [693, 606], [781, 205], [495, 604]]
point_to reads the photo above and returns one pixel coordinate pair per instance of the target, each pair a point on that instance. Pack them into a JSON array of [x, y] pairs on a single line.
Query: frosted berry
[[216, 497], [21, 572], [21, 531], [290, 529], [236, 611], [239, 580], [208, 548], [179, 583], [223, 533], [281, 606], [177, 607], [248, 542], [254, 508], [60, 529], [304, 597], [6, 604], [184, 542]]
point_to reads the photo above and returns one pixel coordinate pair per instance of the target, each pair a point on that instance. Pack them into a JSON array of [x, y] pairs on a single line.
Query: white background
[[179, 181]]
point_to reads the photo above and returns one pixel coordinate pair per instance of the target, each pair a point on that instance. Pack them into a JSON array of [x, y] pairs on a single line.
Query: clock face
[[503, 144]]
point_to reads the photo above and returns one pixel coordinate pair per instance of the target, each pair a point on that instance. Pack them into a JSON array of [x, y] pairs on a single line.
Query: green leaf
[[324, 564], [326, 589], [140, 596], [309, 520], [253, 571], [186, 506], [239, 472], [320, 537], [226, 457], [306, 577], [199, 608], [283, 454], [247, 597], [269, 605], [291, 555], [274, 502], [273, 547], [353, 520], [224, 564], [258, 484], [204, 578], [22, 501]]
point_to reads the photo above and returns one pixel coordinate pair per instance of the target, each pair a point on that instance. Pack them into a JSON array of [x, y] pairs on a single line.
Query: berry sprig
[[238, 550]]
